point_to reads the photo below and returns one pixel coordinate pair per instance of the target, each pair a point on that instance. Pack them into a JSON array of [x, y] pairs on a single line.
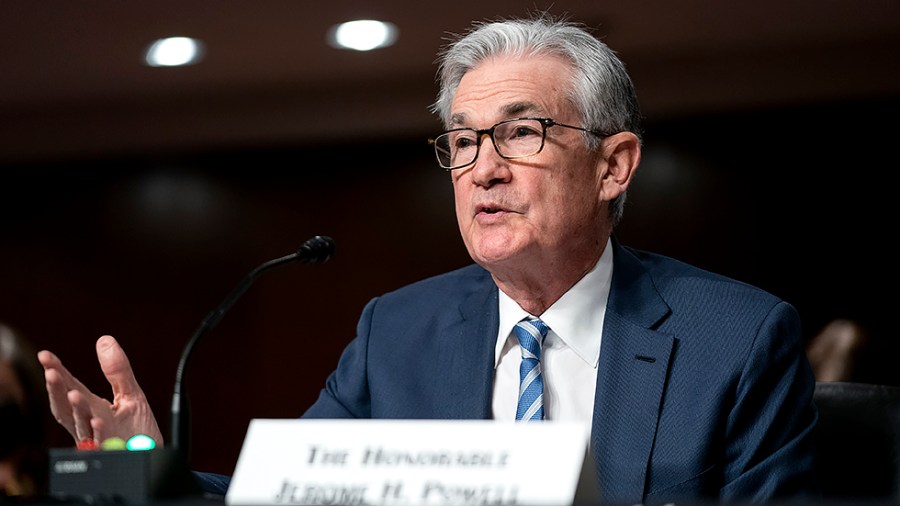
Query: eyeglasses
[[512, 138]]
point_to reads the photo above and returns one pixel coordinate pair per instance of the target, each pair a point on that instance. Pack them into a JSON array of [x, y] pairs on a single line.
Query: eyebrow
[[509, 111]]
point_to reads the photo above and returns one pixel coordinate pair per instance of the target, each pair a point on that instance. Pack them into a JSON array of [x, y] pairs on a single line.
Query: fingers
[[98, 427], [65, 379], [116, 368], [81, 414], [59, 382], [59, 402], [71, 403], [47, 359]]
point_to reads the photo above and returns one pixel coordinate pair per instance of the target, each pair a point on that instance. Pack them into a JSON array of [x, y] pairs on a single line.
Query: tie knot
[[531, 333]]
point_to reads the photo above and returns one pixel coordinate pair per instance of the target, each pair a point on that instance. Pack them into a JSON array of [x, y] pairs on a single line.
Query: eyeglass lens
[[512, 139]]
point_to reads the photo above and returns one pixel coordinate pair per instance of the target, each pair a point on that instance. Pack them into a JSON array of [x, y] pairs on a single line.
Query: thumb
[[116, 367]]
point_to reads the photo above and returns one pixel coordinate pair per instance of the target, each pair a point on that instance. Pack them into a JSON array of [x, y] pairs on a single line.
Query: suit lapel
[[467, 354], [634, 362]]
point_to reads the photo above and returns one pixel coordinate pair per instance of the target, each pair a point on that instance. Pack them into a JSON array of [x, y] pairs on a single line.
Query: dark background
[[135, 208]]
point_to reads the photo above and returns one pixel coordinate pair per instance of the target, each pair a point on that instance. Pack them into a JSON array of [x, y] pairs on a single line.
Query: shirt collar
[[576, 318]]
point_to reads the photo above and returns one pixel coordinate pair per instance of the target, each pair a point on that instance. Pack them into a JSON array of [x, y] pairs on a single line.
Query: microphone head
[[316, 250]]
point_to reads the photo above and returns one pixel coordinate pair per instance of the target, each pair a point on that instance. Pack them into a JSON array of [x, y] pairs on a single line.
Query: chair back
[[858, 440]]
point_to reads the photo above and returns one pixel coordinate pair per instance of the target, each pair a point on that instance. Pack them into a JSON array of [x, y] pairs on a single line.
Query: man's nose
[[490, 168]]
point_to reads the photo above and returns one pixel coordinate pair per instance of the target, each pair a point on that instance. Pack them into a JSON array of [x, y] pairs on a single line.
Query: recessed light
[[362, 35], [174, 52]]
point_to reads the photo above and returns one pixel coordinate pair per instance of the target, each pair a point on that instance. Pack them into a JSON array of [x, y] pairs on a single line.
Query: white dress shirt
[[570, 353]]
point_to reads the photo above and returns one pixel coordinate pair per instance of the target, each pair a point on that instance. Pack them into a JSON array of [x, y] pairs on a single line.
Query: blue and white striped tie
[[530, 334]]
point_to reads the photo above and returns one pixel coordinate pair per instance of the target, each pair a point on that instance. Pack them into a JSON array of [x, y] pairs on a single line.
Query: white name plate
[[411, 462]]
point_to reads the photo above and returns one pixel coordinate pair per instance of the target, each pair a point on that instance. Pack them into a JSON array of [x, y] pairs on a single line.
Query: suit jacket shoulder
[[713, 377], [425, 350]]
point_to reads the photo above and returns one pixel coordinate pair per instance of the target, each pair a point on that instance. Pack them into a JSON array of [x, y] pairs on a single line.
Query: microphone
[[139, 477], [315, 250]]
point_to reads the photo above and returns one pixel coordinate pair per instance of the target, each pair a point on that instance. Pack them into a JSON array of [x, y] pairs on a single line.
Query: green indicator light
[[140, 442], [113, 443]]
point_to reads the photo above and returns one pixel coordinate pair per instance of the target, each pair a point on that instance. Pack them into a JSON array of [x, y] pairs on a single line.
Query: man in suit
[[693, 385]]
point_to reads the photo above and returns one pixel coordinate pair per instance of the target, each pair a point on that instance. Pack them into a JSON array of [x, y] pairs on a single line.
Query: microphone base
[[119, 476]]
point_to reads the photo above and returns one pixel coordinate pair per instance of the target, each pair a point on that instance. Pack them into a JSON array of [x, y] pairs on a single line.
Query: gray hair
[[601, 91]]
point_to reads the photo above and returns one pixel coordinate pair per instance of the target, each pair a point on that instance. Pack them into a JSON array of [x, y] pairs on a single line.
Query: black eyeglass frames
[[512, 138]]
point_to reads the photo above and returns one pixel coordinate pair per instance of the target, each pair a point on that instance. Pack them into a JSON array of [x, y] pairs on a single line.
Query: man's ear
[[621, 155]]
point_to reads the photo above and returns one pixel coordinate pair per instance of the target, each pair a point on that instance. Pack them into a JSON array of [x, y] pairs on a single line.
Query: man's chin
[[494, 258], [491, 248]]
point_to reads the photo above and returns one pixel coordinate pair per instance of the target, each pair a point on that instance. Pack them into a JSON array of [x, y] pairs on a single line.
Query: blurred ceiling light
[[174, 52], [362, 35]]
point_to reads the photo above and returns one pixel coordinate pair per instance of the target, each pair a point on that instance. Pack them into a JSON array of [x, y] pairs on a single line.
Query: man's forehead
[[509, 110]]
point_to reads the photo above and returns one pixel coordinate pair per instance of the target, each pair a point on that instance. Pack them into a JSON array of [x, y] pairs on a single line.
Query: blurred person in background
[[23, 415]]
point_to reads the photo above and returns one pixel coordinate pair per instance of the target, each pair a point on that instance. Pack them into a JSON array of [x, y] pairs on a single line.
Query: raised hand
[[89, 417]]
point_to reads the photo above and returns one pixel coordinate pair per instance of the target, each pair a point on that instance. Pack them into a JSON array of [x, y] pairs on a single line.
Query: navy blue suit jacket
[[703, 389]]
